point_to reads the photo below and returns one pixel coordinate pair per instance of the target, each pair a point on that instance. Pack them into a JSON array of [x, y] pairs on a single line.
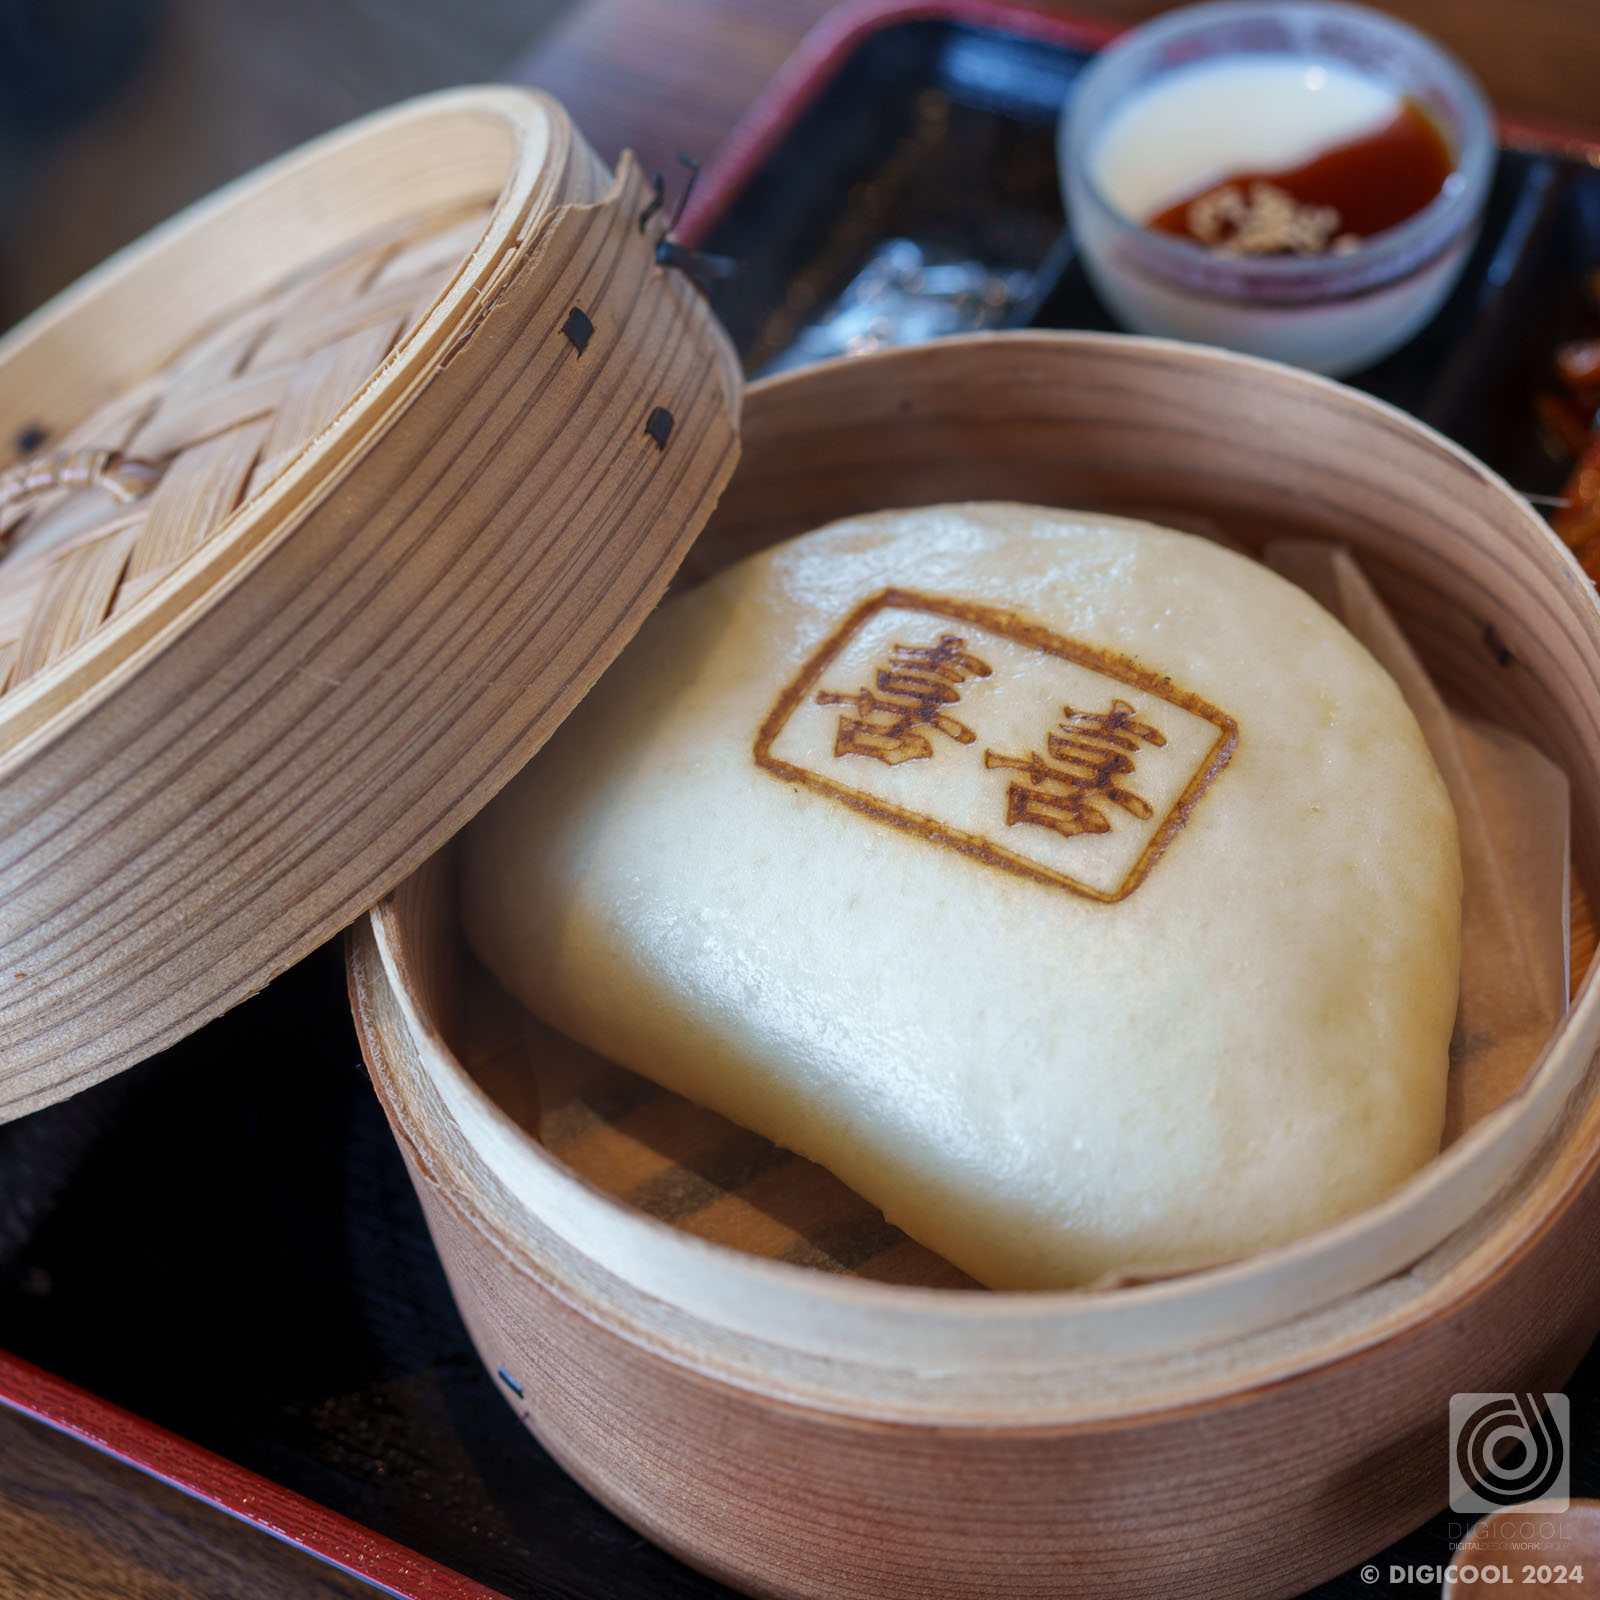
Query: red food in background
[[1571, 414]]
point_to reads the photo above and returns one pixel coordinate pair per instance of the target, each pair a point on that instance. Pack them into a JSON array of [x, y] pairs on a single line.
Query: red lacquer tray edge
[[841, 31], [819, 56], [217, 1482]]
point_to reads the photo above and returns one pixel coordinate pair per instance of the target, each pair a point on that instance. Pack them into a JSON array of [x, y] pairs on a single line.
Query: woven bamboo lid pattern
[[160, 467], [352, 482]]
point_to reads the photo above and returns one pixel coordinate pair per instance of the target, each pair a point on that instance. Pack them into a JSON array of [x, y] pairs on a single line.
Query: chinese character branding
[[1093, 751], [909, 695], [942, 740]]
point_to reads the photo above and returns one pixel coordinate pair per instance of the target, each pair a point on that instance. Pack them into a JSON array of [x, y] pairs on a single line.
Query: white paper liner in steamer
[[1513, 809]]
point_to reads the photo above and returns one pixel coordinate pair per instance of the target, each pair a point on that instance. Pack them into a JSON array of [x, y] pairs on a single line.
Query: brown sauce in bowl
[[1373, 182]]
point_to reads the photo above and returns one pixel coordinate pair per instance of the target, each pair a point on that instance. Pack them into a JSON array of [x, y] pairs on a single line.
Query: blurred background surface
[[116, 113]]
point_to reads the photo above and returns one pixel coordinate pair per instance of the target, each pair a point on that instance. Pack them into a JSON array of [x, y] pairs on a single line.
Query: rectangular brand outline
[[1006, 623]]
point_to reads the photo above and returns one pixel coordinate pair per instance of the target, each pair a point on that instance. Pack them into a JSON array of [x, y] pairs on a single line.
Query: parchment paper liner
[[1514, 812]]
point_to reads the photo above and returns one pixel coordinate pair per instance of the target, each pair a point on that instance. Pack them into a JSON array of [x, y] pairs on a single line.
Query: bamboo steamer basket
[[353, 479], [1248, 1430]]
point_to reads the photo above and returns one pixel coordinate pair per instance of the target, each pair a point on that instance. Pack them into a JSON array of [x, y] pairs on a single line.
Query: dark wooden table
[[661, 76]]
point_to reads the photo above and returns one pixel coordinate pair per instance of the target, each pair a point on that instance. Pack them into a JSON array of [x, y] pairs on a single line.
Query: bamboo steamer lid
[[326, 503]]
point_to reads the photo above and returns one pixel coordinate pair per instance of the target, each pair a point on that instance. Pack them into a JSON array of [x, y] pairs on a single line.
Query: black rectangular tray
[[224, 1241]]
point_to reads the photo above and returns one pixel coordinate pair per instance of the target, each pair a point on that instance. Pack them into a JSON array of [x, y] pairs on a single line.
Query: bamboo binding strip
[[81, 539]]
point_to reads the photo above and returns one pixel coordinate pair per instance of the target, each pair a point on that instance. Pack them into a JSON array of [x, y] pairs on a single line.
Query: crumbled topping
[[1266, 221]]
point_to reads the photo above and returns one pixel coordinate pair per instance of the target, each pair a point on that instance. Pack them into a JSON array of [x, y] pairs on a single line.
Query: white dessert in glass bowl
[[1348, 249], [1197, 127]]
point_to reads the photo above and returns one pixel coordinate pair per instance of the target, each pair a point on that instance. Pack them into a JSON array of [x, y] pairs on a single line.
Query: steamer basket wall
[[1249, 1430]]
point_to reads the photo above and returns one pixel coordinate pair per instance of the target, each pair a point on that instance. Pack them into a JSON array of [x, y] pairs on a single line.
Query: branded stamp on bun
[[986, 733]]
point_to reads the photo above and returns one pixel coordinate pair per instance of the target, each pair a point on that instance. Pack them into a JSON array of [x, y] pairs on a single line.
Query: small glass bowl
[[1330, 313]]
